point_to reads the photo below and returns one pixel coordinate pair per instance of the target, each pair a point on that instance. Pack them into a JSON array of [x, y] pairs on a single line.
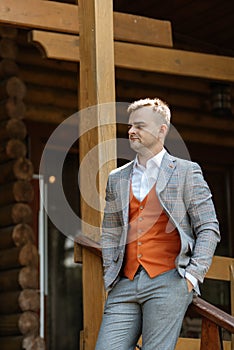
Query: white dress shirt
[[144, 178]]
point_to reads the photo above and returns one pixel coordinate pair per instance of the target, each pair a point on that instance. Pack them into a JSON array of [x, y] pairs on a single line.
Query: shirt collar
[[156, 160]]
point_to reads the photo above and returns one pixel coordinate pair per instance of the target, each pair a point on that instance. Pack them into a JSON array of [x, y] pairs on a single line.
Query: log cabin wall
[[19, 288], [52, 96]]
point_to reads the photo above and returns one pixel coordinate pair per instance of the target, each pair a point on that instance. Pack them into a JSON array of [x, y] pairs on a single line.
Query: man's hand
[[190, 285]]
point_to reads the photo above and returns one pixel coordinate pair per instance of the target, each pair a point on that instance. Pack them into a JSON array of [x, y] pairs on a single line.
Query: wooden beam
[[147, 58], [221, 269], [97, 89], [63, 47], [58, 17], [40, 14], [172, 61]]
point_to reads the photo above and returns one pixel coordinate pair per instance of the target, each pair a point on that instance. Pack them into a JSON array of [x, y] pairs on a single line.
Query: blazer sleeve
[[111, 225], [203, 220]]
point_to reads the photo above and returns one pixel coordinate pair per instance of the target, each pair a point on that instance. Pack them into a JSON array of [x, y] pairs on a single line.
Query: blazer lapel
[[168, 165], [125, 182]]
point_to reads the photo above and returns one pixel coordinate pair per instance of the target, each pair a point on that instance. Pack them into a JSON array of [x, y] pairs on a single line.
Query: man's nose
[[131, 130]]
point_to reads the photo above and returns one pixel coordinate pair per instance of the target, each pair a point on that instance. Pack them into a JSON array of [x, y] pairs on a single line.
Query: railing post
[[210, 336]]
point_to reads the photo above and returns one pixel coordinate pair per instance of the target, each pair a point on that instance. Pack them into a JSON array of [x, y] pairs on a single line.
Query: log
[[48, 76], [38, 344], [19, 256], [21, 323], [13, 87], [8, 68], [16, 279], [12, 149], [18, 191], [11, 342], [50, 114], [33, 342], [15, 214], [51, 96], [8, 48], [15, 236], [30, 56], [20, 169], [12, 108], [18, 301], [12, 129]]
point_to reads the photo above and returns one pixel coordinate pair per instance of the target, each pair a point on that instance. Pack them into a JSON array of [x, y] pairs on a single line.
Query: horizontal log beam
[[18, 191], [22, 323], [58, 17], [16, 279], [20, 169], [145, 58], [12, 149], [17, 301], [15, 236], [19, 256], [12, 343], [12, 129], [15, 214]]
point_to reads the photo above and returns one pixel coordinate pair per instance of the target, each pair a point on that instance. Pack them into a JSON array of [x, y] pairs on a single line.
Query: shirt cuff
[[192, 279]]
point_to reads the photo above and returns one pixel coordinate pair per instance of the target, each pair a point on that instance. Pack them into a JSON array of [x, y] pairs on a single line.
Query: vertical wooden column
[[97, 87]]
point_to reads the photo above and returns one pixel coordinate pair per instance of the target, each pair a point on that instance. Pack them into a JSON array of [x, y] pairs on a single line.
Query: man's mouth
[[134, 139]]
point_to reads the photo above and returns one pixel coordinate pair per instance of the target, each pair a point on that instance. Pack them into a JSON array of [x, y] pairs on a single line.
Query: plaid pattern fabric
[[185, 197]]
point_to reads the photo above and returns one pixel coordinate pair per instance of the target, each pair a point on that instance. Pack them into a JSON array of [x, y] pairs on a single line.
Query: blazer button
[[139, 256]]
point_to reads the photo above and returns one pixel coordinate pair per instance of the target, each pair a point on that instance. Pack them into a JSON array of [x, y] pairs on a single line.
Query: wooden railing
[[213, 319]]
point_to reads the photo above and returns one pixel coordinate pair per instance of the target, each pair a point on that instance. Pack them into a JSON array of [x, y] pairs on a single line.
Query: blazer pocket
[[190, 247]]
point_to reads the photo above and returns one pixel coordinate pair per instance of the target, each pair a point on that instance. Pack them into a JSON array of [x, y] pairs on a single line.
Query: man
[[159, 235]]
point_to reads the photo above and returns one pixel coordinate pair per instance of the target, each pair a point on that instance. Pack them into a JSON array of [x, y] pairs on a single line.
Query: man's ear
[[163, 130]]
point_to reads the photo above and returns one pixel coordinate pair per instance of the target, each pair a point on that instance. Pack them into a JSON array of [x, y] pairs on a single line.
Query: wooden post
[[210, 337], [97, 87]]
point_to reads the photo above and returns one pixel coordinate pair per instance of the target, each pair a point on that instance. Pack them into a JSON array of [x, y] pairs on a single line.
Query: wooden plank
[[97, 87], [148, 58], [220, 268], [194, 344], [210, 337], [64, 47], [172, 61], [93, 297], [188, 343], [60, 17], [142, 30], [40, 14]]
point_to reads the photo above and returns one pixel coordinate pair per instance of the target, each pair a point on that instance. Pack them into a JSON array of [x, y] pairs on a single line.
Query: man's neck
[[144, 157]]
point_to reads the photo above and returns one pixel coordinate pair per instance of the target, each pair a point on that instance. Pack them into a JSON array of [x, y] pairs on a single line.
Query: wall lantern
[[221, 99]]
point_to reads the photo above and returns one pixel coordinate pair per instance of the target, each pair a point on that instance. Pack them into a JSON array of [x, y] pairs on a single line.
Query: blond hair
[[157, 105]]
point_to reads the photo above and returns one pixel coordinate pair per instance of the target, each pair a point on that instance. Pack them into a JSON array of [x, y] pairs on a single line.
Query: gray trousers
[[151, 307]]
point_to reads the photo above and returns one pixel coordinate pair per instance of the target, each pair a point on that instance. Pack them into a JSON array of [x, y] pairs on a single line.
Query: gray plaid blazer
[[185, 197]]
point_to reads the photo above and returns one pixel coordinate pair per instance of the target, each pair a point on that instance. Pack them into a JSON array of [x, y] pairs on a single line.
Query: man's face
[[144, 130]]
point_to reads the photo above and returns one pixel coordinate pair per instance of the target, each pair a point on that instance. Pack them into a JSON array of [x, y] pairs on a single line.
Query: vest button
[[140, 219], [139, 243], [139, 256], [141, 207]]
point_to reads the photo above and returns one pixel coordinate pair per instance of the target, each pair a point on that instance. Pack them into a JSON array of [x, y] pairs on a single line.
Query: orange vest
[[152, 241]]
